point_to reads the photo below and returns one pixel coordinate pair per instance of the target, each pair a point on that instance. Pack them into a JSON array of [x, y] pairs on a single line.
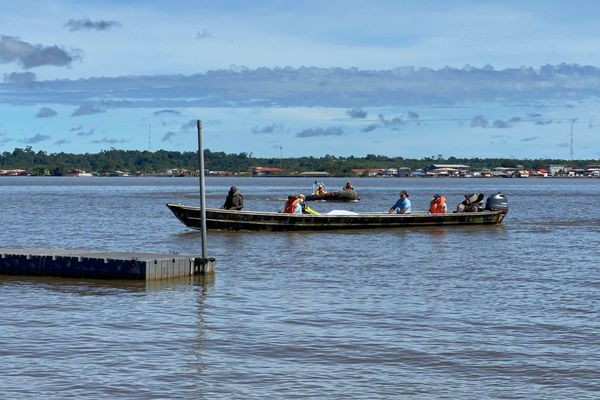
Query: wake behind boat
[[274, 221]]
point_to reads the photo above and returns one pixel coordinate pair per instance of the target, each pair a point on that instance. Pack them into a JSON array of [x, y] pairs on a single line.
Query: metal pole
[[202, 196], [571, 151]]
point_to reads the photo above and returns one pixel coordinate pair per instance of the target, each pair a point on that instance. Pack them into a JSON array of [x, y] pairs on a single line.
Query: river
[[507, 311]]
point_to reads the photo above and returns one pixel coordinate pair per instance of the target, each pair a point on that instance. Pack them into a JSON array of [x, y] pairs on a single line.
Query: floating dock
[[101, 264]]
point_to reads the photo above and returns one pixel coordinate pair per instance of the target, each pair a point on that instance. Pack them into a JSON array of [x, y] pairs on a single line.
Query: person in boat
[[473, 202], [234, 200], [403, 205], [305, 208], [320, 190], [293, 204], [437, 205], [348, 186]]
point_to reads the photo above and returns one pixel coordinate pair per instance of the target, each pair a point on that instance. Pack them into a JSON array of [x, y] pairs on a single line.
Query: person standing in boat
[[437, 205], [234, 200], [403, 205]]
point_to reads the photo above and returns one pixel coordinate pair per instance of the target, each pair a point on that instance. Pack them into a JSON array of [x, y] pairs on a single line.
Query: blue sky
[[410, 78]]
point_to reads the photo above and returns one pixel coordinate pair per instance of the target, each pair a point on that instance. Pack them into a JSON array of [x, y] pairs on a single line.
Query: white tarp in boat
[[341, 212]]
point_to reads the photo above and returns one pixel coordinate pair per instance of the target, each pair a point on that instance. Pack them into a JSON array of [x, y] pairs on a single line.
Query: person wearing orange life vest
[[292, 205], [320, 190], [438, 204]]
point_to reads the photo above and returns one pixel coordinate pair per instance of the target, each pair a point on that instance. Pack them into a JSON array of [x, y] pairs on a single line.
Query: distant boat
[[341, 195], [79, 172], [272, 221]]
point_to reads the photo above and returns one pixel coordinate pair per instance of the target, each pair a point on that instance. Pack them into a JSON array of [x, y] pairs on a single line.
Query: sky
[[410, 78]]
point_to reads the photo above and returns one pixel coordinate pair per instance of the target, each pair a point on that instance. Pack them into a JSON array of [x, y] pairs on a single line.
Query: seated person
[[292, 205], [305, 208], [320, 190], [403, 205], [472, 203], [234, 200], [438, 204], [348, 186]]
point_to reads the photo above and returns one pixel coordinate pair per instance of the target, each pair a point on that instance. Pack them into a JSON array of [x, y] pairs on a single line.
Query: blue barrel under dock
[[101, 264]]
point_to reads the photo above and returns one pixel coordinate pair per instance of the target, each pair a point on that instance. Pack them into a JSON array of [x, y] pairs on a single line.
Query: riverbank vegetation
[[157, 162]]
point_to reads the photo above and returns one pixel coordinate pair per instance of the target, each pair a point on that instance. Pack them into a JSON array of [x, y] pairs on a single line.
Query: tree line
[[148, 162]]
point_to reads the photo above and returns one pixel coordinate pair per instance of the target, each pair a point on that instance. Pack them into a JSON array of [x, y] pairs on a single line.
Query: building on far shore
[[404, 172], [13, 172], [383, 172], [312, 174], [554, 170], [367, 171], [265, 171], [447, 170], [593, 170]]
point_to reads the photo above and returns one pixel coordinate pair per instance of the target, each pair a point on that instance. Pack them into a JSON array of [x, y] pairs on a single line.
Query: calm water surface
[[508, 311]]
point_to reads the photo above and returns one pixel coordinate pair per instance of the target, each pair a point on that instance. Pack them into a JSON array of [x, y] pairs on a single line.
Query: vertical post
[[281, 157], [571, 147], [202, 196]]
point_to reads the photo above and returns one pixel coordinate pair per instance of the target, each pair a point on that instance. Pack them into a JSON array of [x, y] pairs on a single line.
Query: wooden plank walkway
[[101, 264]]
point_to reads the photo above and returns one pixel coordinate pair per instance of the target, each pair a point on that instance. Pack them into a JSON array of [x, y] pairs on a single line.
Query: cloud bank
[[37, 138], [86, 24], [86, 109], [108, 141], [168, 136], [46, 112], [313, 132], [357, 113], [29, 56], [167, 112], [305, 86], [203, 34], [20, 78], [267, 129]]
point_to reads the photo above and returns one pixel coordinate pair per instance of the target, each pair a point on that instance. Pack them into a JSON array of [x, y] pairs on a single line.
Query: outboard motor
[[497, 202]]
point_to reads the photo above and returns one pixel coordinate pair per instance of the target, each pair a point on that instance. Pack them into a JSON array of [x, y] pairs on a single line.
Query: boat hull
[[342, 195], [269, 221]]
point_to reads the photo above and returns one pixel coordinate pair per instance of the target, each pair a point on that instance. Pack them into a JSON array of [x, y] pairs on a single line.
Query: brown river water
[[506, 311]]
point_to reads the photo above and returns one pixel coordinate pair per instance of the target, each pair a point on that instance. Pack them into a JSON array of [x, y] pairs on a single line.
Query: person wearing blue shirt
[[403, 205]]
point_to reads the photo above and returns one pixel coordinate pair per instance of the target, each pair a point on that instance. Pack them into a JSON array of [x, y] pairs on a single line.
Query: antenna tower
[[571, 147], [149, 142]]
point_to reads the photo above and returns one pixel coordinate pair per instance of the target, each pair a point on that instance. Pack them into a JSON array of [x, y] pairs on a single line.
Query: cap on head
[[472, 197], [436, 196]]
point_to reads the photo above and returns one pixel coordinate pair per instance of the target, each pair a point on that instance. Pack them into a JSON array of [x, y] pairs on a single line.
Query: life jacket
[[438, 206], [290, 206], [320, 191]]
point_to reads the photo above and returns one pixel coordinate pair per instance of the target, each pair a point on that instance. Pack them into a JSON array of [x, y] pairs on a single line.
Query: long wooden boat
[[341, 195], [272, 221]]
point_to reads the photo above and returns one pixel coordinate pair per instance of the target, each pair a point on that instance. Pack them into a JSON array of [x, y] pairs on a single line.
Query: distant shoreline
[[306, 177]]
